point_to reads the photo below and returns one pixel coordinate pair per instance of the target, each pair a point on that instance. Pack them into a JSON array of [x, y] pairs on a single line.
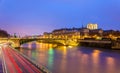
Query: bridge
[[17, 42]]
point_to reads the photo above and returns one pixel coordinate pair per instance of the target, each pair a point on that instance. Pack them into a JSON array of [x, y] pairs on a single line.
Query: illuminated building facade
[[92, 26], [98, 32], [47, 35], [111, 34], [66, 33], [91, 31], [84, 32]]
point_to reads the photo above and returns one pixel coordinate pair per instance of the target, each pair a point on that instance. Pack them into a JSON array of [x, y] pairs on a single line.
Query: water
[[68, 59]]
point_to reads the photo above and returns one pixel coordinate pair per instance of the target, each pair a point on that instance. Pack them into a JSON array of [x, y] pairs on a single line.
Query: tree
[[4, 33]]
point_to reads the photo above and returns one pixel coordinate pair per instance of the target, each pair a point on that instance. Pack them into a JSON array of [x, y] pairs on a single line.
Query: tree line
[[4, 33]]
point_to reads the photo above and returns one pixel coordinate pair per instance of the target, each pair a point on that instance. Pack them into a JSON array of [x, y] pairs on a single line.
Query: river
[[69, 59]]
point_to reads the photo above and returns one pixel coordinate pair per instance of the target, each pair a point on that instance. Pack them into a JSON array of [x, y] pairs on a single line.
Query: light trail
[[24, 61], [3, 61], [15, 62]]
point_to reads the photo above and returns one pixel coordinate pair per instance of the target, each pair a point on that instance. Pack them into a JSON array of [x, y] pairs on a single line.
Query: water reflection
[[50, 58], [68, 59], [96, 59], [110, 64], [63, 61]]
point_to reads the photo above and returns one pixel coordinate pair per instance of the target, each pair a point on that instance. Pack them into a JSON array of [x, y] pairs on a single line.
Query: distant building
[[73, 33], [66, 33], [47, 35], [92, 26], [84, 32], [97, 32], [91, 31], [111, 33]]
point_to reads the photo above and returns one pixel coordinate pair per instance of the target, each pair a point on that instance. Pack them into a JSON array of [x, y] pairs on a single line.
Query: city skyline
[[35, 17]]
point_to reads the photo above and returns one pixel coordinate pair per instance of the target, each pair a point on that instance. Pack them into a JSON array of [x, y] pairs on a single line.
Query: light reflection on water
[[68, 59]]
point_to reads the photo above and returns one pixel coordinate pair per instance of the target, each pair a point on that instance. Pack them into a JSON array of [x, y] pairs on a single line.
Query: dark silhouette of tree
[[3, 33]]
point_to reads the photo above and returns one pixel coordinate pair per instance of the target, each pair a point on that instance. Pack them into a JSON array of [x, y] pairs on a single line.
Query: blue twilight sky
[[29, 17]]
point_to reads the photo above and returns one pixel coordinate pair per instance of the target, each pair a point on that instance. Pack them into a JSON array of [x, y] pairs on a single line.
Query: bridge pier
[[16, 45], [14, 42]]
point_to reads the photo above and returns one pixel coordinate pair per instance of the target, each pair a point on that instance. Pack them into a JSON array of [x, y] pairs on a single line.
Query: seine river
[[68, 59]]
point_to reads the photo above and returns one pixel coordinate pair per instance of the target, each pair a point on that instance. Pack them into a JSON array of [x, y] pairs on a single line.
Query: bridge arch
[[16, 42]]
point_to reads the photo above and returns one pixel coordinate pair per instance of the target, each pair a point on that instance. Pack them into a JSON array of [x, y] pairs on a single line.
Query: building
[[72, 33], [47, 35], [91, 31], [84, 33], [111, 34], [98, 32], [92, 26], [66, 33]]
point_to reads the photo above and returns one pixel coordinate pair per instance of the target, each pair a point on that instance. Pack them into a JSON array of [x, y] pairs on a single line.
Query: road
[[15, 62], [1, 69]]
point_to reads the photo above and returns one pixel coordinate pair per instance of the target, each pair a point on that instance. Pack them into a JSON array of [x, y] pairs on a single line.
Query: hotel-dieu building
[[90, 31]]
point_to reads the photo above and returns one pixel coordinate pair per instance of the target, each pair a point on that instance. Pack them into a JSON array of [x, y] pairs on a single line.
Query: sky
[[33, 17]]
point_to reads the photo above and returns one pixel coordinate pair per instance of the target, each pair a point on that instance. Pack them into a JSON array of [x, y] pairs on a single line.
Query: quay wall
[[96, 43]]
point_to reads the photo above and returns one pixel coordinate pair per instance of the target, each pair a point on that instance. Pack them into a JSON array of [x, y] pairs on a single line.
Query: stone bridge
[[16, 42]]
